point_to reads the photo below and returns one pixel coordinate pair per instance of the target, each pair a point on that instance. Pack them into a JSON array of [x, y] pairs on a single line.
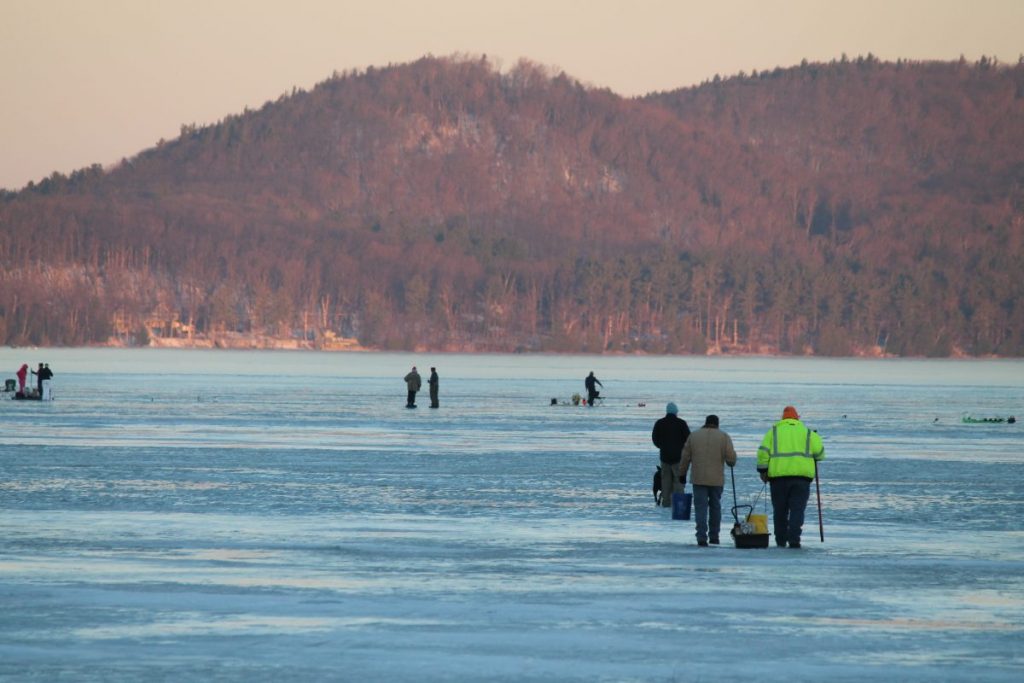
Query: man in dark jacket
[[669, 435], [434, 383], [591, 382], [45, 375], [40, 375]]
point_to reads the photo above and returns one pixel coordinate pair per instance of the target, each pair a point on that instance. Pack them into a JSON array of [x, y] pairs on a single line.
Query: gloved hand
[[682, 479], [764, 476], [731, 464]]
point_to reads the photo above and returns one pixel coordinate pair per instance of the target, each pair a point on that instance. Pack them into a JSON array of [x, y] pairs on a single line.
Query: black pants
[[411, 401], [433, 398], [591, 395], [789, 502]]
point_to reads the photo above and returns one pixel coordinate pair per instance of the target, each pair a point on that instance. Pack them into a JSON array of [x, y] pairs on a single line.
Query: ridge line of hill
[[857, 207]]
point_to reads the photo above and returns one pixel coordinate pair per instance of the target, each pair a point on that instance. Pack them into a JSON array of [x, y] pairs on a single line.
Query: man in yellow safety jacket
[[787, 459]]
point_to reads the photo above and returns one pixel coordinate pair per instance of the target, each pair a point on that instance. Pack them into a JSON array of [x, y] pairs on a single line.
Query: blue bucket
[[681, 503]]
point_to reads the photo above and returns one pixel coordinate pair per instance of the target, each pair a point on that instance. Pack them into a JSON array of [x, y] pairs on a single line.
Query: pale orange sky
[[92, 81]]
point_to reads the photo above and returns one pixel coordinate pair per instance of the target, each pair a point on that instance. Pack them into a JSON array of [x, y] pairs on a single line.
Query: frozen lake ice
[[246, 516]]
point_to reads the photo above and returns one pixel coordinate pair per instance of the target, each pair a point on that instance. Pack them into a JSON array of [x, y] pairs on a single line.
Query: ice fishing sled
[[752, 532], [19, 396]]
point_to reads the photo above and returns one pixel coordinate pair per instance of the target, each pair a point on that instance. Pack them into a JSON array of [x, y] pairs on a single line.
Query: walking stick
[[733, 477], [817, 486]]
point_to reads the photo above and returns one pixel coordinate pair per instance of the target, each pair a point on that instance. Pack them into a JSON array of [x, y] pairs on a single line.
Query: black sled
[[744, 534]]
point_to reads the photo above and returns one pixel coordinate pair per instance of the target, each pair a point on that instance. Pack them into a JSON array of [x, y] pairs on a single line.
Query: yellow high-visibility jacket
[[789, 449]]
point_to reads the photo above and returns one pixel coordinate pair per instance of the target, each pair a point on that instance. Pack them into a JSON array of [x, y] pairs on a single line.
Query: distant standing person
[[708, 449], [591, 383], [669, 435], [22, 375], [46, 374], [787, 459], [39, 379], [433, 382], [413, 384]]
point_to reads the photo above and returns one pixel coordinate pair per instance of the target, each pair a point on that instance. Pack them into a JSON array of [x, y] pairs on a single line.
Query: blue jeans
[[789, 501], [707, 499]]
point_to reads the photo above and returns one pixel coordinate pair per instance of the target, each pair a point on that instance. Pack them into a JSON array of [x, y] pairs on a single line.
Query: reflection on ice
[[897, 624], [203, 625]]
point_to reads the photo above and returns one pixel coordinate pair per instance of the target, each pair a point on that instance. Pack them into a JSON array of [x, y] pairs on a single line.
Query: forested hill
[[842, 208]]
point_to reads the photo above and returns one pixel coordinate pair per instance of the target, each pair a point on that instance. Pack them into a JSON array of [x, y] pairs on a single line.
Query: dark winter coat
[[669, 435]]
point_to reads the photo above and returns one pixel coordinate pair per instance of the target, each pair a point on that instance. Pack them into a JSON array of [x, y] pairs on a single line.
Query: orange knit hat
[[789, 413]]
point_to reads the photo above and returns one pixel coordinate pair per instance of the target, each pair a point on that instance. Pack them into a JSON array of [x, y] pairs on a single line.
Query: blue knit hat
[[672, 408]]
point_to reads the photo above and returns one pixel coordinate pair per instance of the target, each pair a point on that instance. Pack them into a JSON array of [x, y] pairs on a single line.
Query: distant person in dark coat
[[433, 382], [591, 383], [669, 435], [45, 375], [413, 384], [39, 379]]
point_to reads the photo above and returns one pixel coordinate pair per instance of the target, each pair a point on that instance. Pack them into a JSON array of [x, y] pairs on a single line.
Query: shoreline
[[352, 345]]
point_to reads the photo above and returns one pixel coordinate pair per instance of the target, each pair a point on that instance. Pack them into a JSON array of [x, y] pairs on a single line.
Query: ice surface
[[281, 516]]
